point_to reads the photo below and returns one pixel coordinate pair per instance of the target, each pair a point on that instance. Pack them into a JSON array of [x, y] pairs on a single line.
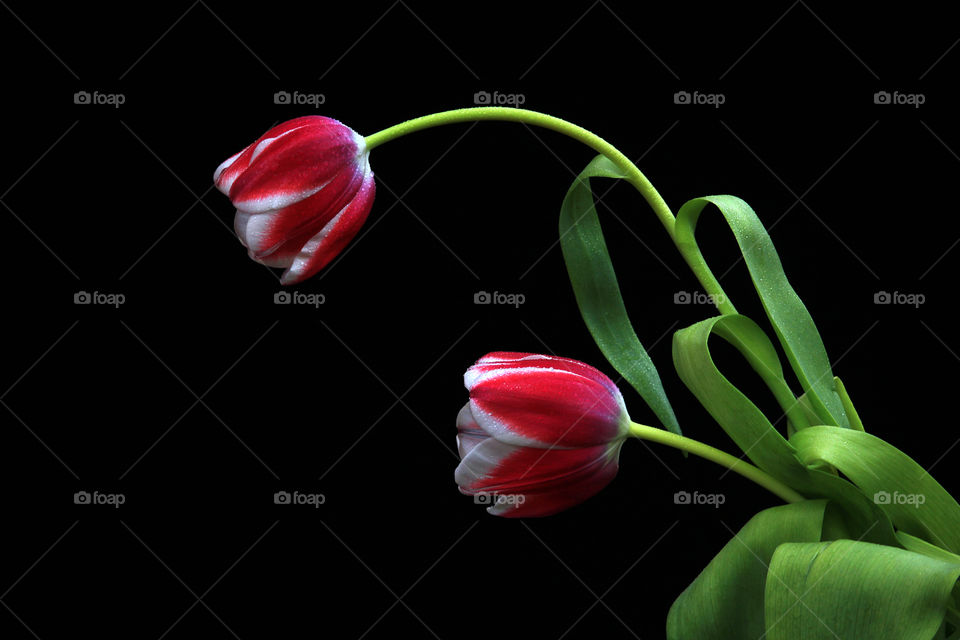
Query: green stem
[[722, 458], [524, 116], [633, 174]]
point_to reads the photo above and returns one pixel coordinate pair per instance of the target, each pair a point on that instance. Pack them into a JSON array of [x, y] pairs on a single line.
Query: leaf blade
[[790, 318], [884, 472], [750, 429], [851, 589], [726, 600], [598, 294]]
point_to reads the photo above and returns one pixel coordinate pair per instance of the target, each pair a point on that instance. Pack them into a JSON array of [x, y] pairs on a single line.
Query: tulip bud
[[540, 433], [302, 192]]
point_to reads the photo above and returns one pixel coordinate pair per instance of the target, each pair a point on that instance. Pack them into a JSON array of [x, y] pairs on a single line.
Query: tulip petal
[[267, 141], [514, 358], [495, 466], [541, 481], [227, 182], [544, 407], [469, 433], [253, 230], [477, 472], [302, 190], [313, 121], [537, 504], [236, 164], [292, 227], [224, 177], [294, 166], [334, 236]]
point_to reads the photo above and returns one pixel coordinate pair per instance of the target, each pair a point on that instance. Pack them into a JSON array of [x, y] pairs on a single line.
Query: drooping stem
[[697, 448], [535, 118], [633, 174]]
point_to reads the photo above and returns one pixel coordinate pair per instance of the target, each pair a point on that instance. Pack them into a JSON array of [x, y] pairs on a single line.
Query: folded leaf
[[790, 319], [855, 590], [738, 415], [915, 502], [725, 602], [750, 429], [852, 416], [598, 293]]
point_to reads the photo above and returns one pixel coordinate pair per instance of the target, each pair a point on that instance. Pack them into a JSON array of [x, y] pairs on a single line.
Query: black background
[[199, 398]]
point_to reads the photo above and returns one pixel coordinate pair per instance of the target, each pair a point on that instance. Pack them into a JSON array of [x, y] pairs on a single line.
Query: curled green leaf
[[790, 319], [726, 600], [851, 589], [750, 429], [903, 489], [598, 293]]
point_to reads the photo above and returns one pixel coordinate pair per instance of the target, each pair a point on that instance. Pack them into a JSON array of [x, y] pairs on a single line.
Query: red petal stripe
[[333, 237], [302, 220], [500, 359], [293, 167], [545, 407], [548, 480]]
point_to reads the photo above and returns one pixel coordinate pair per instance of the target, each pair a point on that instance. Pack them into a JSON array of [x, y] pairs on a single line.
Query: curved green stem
[[722, 458], [535, 118], [633, 174]]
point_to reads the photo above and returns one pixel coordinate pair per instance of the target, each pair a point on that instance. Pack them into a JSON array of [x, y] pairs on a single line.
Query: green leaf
[[790, 319], [852, 414], [598, 293], [808, 412], [915, 502], [856, 590], [918, 545], [725, 601], [752, 431], [737, 414]]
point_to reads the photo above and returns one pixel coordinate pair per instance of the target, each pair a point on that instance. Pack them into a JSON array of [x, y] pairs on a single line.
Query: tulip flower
[[302, 192], [540, 433]]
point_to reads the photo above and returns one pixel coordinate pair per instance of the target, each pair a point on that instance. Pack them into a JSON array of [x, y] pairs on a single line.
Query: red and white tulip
[[302, 192], [540, 433]]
